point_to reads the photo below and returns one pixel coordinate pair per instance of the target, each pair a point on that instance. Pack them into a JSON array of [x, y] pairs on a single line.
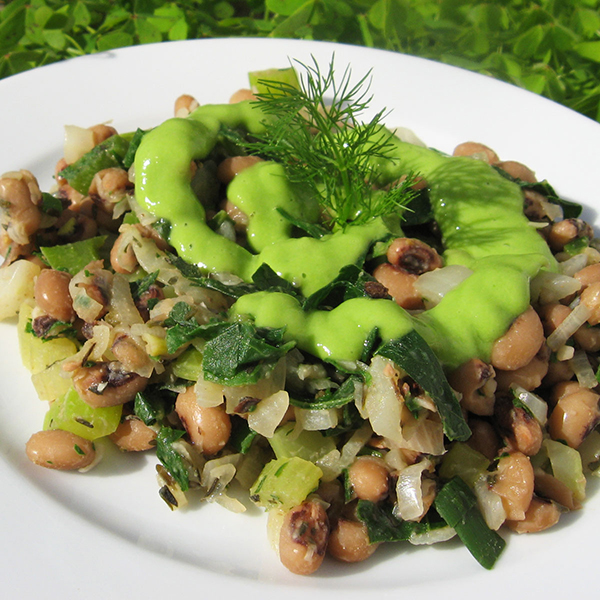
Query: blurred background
[[550, 47]]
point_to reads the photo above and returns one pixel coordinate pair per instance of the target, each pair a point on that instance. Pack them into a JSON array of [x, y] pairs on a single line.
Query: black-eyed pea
[[184, 105], [474, 380], [514, 483], [369, 478], [122, 257], [541, 514], [400, 286], [232, 166], [590, 297], [588, 338], [209, 428], [522, 431], [413, 256], [102, 132], [133, 435], [51, 291], [349, 541], [588, 275], [242, 95], [529, 377], [58, 449], [478, 151], [568, 230], [19, 213], [484, 438], [574, 417], [558, 371], [107, 384], [517, 170], [523, 340], [304, 537]]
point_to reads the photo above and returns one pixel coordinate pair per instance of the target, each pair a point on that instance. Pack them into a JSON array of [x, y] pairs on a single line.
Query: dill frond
[[316, 132]]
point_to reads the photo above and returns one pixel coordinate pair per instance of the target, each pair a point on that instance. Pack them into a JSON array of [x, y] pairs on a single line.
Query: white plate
[[107, 533]]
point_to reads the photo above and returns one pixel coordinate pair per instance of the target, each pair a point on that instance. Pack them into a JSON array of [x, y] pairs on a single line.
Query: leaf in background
[[114, 39], [284, 7], [146, 32], [590, 50], [12, 25]]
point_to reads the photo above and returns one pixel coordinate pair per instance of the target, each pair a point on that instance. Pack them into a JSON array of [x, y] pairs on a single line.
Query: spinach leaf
[[412, 354], [241, 353], [170, 458]]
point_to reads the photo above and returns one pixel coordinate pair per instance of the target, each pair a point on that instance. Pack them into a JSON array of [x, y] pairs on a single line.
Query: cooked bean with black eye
[[349, 541], [52, 294], [303, 538], [107, 384], [369, 478]]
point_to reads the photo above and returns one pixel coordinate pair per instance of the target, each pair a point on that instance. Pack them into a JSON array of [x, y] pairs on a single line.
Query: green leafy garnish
[[457, 505], [170, 458], [316, 132]]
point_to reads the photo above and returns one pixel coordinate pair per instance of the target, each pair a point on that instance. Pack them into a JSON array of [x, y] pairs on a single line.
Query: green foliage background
[[550, 47]]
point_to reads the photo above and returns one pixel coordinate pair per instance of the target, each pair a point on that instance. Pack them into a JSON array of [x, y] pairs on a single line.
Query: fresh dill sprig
[[315, 131]]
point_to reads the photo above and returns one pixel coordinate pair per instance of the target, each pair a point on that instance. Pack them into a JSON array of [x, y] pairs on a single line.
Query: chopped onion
[[551, 287], [268, 413], [582, 368], [208, 394], [578, 316], [78, 141], [316, 420], [570, 266], [565, 353], [382, 406], [424, 435], [434, 285], [490, 503], [433, 536], [122, 309], [590, 453], [16, 286], [409, 492], [216, 476], [535, 404]]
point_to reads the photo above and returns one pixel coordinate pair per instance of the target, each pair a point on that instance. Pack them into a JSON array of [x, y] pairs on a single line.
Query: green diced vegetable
[[457, 505], [109, 153], [286, 77], [189, 365], [285, 483], [37, 354], [465, 462], [74, 256], [309, 445], [132, 148], [566, 466], [383, 526], [71, 413]]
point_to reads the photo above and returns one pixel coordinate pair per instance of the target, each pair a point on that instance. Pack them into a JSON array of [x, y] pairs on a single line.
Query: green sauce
[[162, 166], [479, 212]]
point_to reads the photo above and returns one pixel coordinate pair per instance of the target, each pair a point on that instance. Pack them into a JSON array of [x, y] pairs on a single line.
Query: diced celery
[[71, 413], [257, 79], [188, 365], [567, 467], [51, 383], [309, 445], [285, 483], [464, 461], [156, 346], [74, 256], [37, 354], [16, 286]]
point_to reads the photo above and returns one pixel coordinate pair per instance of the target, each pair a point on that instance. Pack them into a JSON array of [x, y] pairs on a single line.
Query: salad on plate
[[294, 306]]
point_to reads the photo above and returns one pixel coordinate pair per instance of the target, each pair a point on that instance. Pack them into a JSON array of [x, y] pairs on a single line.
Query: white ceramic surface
[[107, 534]]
